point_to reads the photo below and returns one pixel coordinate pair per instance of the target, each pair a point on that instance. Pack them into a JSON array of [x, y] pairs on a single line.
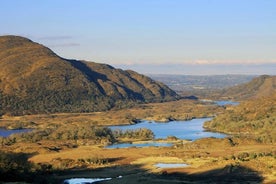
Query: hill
[[252, 119], [33, 79], [262, 86], [255, 117]]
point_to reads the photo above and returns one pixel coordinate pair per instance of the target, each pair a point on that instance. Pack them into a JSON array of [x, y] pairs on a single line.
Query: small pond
[[226, 102], [168, 165], [5, 132], [84, 180]]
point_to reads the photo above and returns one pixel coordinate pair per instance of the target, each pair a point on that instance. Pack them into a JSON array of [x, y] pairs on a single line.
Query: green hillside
[[33, 79], [254, 119]]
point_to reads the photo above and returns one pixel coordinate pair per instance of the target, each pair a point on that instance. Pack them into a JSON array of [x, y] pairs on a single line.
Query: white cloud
[[232, 62]]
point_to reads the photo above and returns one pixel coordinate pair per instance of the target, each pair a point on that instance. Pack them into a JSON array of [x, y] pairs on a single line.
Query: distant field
[[192, 82]]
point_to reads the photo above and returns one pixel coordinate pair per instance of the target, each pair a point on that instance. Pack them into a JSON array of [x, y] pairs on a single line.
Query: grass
[[201, 158], [211, 160], [176, 110]]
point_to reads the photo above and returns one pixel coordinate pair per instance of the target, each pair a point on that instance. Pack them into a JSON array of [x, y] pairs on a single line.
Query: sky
[[193, 37]]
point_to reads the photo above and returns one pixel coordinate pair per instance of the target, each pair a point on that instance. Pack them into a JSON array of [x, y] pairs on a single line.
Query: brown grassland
[[34, 80], [175, 110], [210, 160]]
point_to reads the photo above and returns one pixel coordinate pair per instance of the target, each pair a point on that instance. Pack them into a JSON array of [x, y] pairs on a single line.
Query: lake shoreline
[[190, 130]]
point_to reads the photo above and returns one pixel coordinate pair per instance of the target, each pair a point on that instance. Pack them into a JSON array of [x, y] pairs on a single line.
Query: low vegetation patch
[[141, 134], [252, 120]]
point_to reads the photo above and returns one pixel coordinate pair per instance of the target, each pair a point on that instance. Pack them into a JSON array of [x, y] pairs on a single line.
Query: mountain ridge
[[258, 87], [33, 79]]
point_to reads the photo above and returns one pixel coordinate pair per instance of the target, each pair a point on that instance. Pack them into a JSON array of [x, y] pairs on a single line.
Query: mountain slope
[[262, 86], [33, 79], [255, 117], [252, 119]]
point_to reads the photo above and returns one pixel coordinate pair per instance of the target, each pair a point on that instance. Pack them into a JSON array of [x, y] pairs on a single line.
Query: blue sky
[[153, 36]]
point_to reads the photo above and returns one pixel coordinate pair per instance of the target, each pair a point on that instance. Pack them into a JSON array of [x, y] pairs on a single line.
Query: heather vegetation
[[33, 80], [90, 135], [252, 119], [16, 167], [141, 133], [76, 135]]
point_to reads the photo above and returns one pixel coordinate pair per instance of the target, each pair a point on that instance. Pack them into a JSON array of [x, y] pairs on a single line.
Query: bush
[[141, 133], [14, 166]]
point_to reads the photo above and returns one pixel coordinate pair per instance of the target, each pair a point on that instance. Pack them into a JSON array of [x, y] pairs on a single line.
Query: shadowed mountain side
[[228, 174], [33, 79], [135, 174]]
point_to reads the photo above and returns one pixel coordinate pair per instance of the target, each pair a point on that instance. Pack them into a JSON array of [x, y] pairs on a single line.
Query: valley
[[70, 107], [212, 160]]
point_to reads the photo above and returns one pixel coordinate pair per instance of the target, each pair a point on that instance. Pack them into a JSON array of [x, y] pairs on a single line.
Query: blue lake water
[[226, 102], [189, 130], [6, 133]]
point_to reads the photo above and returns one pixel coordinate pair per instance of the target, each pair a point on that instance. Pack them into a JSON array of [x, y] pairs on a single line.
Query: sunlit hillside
[[263, 86], [251, 119], [33, 79]]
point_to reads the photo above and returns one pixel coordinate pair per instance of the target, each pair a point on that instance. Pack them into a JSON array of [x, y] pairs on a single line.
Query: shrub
[[141, 133]]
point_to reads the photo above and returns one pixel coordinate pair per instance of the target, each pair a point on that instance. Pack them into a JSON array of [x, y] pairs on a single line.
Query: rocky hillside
[[33, 79], [262, 86]]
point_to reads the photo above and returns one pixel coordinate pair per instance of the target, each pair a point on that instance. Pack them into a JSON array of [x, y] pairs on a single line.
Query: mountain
[[33, 79], [262, 86], [255, 116]]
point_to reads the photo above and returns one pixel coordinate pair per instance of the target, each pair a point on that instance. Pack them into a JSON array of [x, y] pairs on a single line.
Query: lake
[[5, 132], [188, 130], [226, 102]]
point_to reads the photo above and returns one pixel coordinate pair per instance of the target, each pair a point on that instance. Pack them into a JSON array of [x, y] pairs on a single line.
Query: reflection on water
[[189, 130], [84, 180]]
